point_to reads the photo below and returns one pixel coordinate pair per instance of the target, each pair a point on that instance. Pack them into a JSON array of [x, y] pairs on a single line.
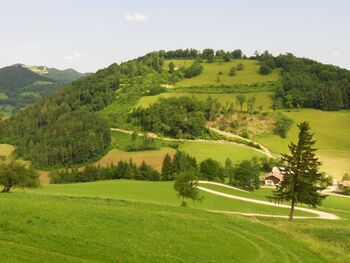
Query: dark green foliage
[[232, 72], [186, 186], [265, 69], [302, 182], [212, 170], [246, 175], [176, 117], [307, 83], [209, 55], [90, 173], [240, 67], [14, 174], [282, 125], [194, 70], [63, 128], [167, 168], [183, 162], [237, 54]]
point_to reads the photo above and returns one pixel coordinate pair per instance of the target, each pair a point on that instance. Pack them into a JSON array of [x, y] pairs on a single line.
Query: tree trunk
[[292, 210], [6, 189]]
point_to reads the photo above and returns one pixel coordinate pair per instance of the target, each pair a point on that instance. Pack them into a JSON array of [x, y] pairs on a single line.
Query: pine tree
[[167, 168], [302, 182]]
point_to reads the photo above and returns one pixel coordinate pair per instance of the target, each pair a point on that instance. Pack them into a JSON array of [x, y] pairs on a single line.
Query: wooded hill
[[71, 126], [21, 85]]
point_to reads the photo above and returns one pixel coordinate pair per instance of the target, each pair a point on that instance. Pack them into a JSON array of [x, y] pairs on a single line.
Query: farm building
[[345, 184], [274, 177]]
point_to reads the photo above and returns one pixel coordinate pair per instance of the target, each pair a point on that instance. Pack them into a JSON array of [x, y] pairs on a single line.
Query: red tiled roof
[[345, 183]]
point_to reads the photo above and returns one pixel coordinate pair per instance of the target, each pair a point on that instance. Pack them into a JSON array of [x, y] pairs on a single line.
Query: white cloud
[[77, 54], [68, 57], [136, 17], [335, 53]]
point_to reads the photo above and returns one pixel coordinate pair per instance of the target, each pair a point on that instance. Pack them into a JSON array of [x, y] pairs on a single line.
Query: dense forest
[[71, 126]]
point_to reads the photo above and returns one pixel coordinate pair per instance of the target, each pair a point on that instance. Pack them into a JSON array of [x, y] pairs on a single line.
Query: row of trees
[[208, 54], [120, 170]]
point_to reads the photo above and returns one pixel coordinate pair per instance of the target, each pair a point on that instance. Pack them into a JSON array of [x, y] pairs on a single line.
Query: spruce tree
[[167, 168], [302, 181]]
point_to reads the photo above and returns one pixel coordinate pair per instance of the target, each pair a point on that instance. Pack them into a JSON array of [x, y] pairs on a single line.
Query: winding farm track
[[320, 214]]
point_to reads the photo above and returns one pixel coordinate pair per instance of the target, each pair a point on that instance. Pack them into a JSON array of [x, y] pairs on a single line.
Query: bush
[[282, 125], [240, 66], [265, 69], [194, 70], [232, 72]]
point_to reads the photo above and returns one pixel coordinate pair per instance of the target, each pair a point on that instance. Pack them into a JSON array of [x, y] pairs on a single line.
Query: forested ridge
[[71, 126]]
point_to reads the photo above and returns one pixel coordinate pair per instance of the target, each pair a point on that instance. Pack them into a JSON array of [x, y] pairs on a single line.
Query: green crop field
[[209, 76], [219, 152], [331, 130], [262, 98], [133, 221]]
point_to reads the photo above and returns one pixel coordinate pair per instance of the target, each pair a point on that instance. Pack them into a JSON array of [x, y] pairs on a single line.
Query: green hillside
[[21, 85], [218, 74], [141, 221]]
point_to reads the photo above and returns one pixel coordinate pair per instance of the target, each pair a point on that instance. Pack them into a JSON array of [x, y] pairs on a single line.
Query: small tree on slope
[[15, 174], [186, 186], [302, 182]]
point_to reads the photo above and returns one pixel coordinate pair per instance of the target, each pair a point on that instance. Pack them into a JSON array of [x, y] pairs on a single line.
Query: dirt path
[[153, 135], [321, 215]]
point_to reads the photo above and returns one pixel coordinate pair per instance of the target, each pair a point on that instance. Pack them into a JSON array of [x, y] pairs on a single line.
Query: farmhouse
[[274, 177], [345, 184]]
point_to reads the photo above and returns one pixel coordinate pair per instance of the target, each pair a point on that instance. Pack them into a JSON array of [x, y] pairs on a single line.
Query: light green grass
[[158, 193], [219, 152], [331, 131], [250, 74], [262, 98], [42, 228]]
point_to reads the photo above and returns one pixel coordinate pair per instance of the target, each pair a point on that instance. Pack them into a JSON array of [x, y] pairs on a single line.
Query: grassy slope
[[156, 192], [331, 130], [122, 231], [262, 98], [219, 152], [249, 75], [42, 227]]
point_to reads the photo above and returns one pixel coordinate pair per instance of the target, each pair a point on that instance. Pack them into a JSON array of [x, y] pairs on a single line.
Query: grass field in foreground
[[134, 221], [39, 228], [331, 131], [262, 98], [249, 75]]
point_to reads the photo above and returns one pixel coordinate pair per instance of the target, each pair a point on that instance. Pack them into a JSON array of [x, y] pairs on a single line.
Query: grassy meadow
[[331, 130], [219, 152], [262, 98], [211, 73], [133, 221]]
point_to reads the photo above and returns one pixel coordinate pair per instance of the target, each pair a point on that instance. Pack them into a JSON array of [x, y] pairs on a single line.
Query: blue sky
[[91, 34]]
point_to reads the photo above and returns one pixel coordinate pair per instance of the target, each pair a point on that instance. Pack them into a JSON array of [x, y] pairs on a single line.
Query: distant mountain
[[61, 76], [21, 85]]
